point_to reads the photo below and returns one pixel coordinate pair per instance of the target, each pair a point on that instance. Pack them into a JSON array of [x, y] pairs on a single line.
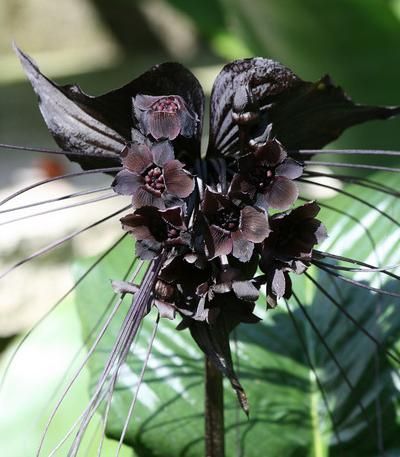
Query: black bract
[[207, 223]]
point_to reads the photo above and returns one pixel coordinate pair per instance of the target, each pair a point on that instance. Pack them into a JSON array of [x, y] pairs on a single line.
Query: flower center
[[172, 232], [227, 219], [261, 177], [166, 105], [154, 180]]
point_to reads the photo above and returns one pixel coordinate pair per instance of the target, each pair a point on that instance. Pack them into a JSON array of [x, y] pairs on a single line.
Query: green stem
[[214, 412]]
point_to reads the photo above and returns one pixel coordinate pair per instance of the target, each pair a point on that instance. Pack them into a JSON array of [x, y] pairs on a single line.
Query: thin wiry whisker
[[60, 241], [360, 284], [141, 376], [353, 261], [335, 360], [132, 321], [62, 298], [57, 178], [352, 218], [353, 165], [57, 199], [360, 270], [88, 355], [378, 152], [108, 407], [362, 182], [60, 208], [104, 154], [354, 197], [106, 413], [342, 309], [314, 370], [96, 326]]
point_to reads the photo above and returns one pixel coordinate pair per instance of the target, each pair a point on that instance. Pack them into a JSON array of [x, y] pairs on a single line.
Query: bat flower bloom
[[289, 247], [154, 229], [224, 221], [266, 175], [233, 229], [164, 117], [152, 176]]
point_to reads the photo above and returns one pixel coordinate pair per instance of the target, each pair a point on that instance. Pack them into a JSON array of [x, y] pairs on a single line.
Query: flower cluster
[[214, 238], [219, 227]]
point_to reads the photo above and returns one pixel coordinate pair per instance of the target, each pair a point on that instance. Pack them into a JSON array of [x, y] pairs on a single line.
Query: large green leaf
[[288, 415]]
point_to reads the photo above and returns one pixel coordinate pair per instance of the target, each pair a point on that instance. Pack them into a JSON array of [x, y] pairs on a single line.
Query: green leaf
[[288, 415]]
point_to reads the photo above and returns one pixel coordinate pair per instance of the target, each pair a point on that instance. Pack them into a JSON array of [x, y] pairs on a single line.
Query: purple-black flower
[[266, 176], [152, 175], [233, 229], [289, 247], [154, 229], [164, 117]]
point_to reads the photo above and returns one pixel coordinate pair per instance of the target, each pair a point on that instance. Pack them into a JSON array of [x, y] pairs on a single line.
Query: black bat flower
[[152, 175], [205, 223]]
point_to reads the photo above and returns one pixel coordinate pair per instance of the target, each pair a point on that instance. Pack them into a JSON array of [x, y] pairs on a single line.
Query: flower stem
[[214, 412]]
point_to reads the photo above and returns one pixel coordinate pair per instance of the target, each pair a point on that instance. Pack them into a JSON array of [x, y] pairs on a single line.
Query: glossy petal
[[162, 153], [254, 224], [126, 183], [242, 249], [178, 181], [271, 153], [282, 193], [289, 169], [245, 290], [222, 241], [144, 198], [137, 158], [304, 115]]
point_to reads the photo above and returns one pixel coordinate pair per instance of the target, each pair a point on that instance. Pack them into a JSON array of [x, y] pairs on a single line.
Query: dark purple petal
[[165, 309], [144, 102], [239, 185], [126, 183], [140, 232], [245, 290], [306, 211], [188, 122], [80, 123], [321, 233], [289, 169], [173, 216], [270, 154], [177, 180], [162, 153], [242, 249], [142, 197], [282, 193], [278, 283], [162, 125], [253, 224], [147, 249], [138, 158], [210, 204], [222, 241], [304, 115]]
